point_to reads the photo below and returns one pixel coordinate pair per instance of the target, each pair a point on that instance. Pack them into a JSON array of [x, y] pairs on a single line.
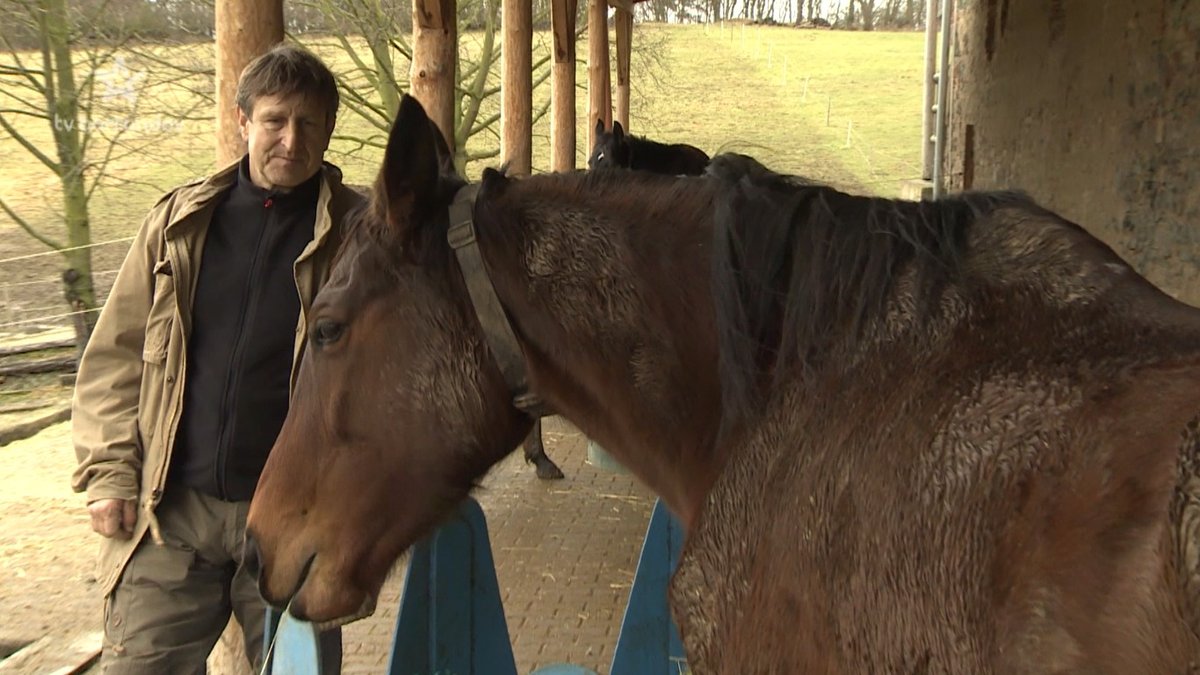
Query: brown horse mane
[[800, 268]]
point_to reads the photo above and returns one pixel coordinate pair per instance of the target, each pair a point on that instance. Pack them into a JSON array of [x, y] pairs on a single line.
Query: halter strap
[[501, 339]]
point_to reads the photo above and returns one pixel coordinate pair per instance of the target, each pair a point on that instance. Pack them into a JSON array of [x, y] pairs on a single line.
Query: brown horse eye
[[327, 332]]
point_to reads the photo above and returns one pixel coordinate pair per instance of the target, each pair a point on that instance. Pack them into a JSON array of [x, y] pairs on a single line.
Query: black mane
[[799, 268]]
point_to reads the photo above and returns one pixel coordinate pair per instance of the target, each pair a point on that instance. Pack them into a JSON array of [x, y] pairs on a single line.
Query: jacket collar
[[206, 191]]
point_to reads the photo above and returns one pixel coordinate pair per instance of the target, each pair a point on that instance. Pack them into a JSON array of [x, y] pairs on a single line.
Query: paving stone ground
[[565, 551]]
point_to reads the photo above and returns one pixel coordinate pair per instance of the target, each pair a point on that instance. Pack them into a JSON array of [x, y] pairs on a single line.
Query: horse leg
[[535, 453]]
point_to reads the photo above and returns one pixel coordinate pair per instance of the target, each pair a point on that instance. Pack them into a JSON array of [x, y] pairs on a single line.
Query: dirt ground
[[47, 549]]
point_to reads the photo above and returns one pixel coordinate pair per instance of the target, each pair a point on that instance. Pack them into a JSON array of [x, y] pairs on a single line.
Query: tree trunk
[[63, 104], [385, 81], [245, 30], [435, 61], [599, 84], [868, 14], [468, 113], [516, 113], [562, 86], [624, 29]]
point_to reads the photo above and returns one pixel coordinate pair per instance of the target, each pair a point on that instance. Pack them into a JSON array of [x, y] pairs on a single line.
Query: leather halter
[[501, 339]]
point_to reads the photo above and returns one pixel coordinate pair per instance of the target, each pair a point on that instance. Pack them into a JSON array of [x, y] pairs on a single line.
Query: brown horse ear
[[599, 127], [618, 131], [407, 184], [445, 156]]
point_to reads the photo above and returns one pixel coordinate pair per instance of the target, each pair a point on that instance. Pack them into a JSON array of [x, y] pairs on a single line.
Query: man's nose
[[292, 135]]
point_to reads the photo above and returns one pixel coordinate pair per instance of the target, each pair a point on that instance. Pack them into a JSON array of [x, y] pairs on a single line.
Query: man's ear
[[243, 124]]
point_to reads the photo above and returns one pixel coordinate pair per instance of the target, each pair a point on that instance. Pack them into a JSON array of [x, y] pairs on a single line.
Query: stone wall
[[1093, 108]]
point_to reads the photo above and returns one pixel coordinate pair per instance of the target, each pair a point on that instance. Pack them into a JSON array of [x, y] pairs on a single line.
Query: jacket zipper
[[232, 378]]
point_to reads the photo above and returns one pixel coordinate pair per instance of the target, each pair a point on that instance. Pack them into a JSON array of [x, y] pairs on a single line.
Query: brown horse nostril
[[252, 558]]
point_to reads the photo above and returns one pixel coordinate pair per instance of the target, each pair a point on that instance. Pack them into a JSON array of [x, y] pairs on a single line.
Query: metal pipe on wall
[[927, 115], [939, 172]]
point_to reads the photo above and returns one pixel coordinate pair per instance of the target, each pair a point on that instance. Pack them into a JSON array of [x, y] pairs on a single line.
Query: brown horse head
[[400, 406], [390, 319]]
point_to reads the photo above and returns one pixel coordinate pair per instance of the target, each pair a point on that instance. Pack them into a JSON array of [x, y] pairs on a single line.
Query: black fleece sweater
[[244, 316]]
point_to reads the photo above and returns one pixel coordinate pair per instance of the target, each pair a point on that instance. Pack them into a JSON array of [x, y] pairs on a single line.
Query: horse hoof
[[548, 470]]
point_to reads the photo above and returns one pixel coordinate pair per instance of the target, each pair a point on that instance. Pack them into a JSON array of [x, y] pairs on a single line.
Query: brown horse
[[951, 437]]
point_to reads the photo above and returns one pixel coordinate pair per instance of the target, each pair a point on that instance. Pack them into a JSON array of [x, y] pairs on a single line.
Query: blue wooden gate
[[452, 620]]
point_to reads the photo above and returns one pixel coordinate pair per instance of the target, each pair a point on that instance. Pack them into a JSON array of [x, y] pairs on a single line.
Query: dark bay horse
[[951, 437], [617, 149]]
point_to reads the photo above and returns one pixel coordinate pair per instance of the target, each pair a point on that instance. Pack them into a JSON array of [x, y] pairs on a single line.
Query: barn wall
[[1092, 107]]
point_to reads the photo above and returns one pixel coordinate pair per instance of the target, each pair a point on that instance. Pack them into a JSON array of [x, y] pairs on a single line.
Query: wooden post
[[599, 86], [623, 18], [562, 86], [435, 60], [245, 30], [516, 84]]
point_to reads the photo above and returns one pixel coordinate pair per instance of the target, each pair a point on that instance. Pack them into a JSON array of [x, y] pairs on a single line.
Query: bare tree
[[378, 74], [84, 90]]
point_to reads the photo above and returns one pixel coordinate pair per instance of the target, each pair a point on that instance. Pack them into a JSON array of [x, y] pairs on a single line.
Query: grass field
[[838, 107]]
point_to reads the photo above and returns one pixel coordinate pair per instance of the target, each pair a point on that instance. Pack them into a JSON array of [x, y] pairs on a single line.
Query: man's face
[[286, 137]]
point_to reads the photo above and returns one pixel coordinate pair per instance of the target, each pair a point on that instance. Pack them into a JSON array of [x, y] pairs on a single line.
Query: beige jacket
[[129, 392]]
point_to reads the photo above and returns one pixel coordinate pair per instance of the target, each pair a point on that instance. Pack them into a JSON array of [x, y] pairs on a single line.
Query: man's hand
[[113, 517]]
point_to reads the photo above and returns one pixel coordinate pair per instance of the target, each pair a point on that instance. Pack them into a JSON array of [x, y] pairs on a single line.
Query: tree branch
[[25, 143], [27, 227], [485, 154], [24, 113]]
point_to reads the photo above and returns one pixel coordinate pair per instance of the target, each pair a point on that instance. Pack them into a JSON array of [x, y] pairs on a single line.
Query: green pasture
[[839, 107]]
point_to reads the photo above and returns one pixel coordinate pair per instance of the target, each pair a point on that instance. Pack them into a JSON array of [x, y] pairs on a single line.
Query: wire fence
[[29, 305], [836, 113]]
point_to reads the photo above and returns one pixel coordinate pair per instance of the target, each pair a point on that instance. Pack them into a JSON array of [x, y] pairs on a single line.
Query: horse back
[[677, 159], [1011, 487]]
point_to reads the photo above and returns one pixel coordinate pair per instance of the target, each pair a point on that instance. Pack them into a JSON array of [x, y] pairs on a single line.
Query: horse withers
[[956, 436], [615, 148]]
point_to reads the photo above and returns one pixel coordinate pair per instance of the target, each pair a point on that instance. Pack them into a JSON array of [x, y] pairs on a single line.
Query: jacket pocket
[[162, 315]]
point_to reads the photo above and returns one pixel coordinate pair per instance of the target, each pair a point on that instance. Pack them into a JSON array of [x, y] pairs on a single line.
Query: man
[[185, 381]]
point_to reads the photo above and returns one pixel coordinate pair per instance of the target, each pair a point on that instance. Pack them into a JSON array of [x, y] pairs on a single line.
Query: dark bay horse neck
[[635, 370]]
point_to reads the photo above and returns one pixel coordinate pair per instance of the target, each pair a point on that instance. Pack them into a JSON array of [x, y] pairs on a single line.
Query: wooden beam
[[623, 18], [244, 30], [562, 86], [599, 85], [435, 60], [32, 366], [516, 83], [36, 346], [58, 655]]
